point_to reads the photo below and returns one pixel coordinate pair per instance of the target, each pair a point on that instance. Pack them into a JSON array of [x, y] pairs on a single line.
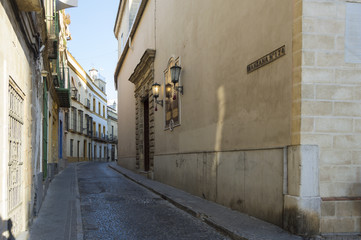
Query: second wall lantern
[[175, 73]]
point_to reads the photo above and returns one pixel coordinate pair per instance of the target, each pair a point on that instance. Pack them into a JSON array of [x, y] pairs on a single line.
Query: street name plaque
[[263, 61]]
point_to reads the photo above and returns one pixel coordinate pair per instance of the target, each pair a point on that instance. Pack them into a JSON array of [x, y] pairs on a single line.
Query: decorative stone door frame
[[143, 79]]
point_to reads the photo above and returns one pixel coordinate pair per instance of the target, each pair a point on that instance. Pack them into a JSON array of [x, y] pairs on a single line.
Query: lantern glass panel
[[175, 72], [155, 89], [168, 90]]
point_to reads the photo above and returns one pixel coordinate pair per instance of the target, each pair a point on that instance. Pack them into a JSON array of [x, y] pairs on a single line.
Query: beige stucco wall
[[223, 107], [143, 39], [224, 110], [241, 180], [329, 104], [307, 100]]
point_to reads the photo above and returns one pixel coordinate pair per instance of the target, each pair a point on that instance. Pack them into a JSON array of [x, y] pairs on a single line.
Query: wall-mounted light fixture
[[155, 90], [175, 73], [168, 90]]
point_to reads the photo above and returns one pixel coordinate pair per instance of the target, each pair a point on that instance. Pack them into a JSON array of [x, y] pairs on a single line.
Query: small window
[[80, 112], [94, 129], [71, 147], [66, 121], [73, 127], [122, 42], [87, 123]]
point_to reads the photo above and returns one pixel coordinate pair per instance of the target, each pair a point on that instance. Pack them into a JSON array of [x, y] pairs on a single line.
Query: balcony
[[72, 126], [112, 139], [87, 103], [74, 93], [29, 5], [52, 24], [62, 89], [100, 137]]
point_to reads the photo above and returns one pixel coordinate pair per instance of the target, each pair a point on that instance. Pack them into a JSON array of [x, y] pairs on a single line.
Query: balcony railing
[[62, 85], [100, 137], [112, 138], [87, 103], [74, 93], [52, 24], [64, 77]]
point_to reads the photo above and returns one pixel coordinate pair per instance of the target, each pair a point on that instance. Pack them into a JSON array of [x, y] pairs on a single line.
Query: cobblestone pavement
[[114, 207]]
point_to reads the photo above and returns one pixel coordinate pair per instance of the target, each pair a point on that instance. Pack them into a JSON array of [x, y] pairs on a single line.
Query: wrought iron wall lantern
[[168, 90], [155, 90], [175, 73]]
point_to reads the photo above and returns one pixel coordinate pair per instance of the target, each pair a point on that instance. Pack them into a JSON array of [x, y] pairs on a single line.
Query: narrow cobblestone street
[[114, 207], [170, 119]]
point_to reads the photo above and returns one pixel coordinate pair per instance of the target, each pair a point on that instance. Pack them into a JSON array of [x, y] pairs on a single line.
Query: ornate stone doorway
[[146, 134], [143, 78]]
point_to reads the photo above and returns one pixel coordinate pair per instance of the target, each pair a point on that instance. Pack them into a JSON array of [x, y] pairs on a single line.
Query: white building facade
[[86, 121], [112, 133]]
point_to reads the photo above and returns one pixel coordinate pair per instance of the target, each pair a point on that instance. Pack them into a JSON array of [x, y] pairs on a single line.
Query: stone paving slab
[[232, 223], [60, 217]]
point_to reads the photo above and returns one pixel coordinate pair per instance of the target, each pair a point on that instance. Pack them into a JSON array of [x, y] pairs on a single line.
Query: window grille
[[15, 156]]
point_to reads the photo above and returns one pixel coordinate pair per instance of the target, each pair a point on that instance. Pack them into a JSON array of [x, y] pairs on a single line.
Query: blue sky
[[93, 42]]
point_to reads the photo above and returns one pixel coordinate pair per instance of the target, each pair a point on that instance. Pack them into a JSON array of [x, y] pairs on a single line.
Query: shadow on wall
[[244, 179], [5, 229]]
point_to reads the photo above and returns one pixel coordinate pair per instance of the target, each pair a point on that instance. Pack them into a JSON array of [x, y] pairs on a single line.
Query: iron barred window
[[16, 98]]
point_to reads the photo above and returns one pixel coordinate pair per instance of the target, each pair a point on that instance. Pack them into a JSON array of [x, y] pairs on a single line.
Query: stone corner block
[[303, 170], [301, 216]]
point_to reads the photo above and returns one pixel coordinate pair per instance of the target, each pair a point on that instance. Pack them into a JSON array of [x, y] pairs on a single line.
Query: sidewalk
[[60, 216], [232, 223]]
